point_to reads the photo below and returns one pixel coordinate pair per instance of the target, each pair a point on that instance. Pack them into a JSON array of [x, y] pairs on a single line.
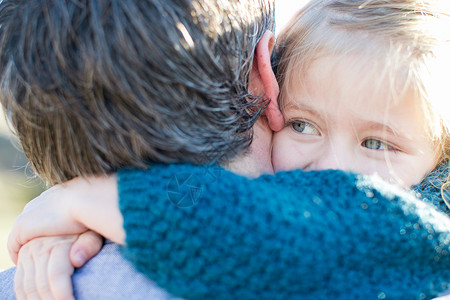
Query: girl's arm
[[207, 233], [70, 208]]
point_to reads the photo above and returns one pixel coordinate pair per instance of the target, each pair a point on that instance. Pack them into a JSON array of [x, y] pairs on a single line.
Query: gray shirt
[[106, 276]]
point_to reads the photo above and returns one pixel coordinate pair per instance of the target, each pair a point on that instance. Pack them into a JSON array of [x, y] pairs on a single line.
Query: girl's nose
[[334, 158]]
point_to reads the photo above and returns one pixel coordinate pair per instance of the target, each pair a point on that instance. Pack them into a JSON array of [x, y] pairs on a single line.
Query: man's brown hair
[[91, 86]]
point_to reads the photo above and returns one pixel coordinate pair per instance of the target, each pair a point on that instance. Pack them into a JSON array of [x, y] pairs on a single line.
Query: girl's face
[[335, 121]]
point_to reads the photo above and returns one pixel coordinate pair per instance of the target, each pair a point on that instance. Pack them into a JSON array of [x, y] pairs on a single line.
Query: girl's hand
[[44, 268], [70, 208]]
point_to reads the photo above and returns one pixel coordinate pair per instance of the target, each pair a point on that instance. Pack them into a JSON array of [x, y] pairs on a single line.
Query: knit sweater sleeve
[[205, 234]]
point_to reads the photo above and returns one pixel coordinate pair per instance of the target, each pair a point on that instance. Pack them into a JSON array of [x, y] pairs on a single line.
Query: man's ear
[[263, 81]]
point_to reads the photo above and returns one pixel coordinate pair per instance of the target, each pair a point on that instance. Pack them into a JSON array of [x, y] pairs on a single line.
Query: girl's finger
[[26, 285], [85, 247], [41, 275], [60, 272], [18, 282]]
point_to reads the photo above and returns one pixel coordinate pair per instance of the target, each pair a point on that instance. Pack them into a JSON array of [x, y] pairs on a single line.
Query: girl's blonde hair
[[407, 43]]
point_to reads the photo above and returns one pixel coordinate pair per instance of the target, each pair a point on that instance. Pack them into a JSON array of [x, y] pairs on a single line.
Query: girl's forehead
[[341, 76]]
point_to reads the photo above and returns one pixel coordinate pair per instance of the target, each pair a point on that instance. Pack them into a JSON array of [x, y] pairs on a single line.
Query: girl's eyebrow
[[293, 105], [382, 127], [297, 110], [388, 130]]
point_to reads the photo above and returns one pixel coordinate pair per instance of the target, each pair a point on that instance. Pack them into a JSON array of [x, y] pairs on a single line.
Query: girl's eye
[[374, 144], [305, 127]]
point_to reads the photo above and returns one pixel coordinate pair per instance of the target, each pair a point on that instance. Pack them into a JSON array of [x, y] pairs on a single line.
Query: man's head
[[94, 85]]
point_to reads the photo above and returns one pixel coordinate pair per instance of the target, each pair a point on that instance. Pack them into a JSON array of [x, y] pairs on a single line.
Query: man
[[65, 136]]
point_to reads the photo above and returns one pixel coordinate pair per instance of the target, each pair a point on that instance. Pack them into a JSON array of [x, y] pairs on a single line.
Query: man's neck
[[257, 159]]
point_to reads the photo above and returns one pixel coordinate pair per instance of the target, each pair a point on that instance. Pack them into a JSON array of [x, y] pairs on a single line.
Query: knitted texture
[[296, 235], [429, 190]]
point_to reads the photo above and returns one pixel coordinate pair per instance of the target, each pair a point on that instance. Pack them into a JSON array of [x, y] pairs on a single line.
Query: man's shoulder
[[106, 276], [110, 276], [7, 284]]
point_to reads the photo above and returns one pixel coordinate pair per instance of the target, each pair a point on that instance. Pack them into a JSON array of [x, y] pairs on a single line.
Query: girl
[[364, 88]]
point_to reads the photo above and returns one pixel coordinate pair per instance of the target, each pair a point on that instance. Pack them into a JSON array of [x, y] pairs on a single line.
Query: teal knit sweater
[[206, 233]]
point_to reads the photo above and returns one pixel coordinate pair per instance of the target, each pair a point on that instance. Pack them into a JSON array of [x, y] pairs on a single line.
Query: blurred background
[[17, 183], [17, 186]]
